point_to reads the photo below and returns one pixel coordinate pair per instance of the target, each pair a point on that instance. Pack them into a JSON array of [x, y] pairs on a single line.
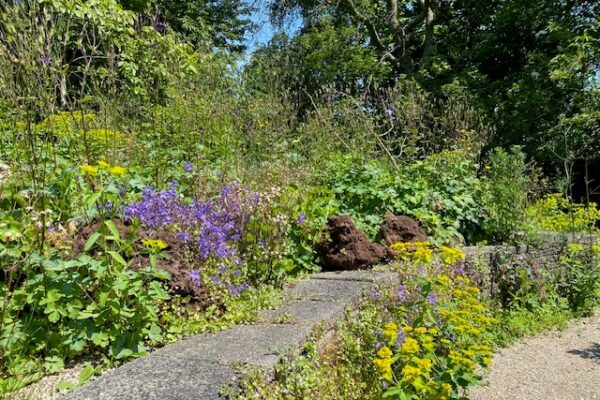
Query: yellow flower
[[103, 164], [117, 171], [385, 352], [451, 256], [420, 330], [88, 169], [384, 366], [156, 244], [410, 346], [410, 373], [575, 247], [425, 364], [445, 391], [390, 331]]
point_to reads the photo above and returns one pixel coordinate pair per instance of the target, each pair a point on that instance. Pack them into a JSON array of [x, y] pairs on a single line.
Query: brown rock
[[348, 248], [401, 228]]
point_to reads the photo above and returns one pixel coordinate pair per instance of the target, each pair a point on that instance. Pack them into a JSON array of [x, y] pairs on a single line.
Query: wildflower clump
[[451, 256], [420, 252], [439, 352], [155, 244], [556, 214]]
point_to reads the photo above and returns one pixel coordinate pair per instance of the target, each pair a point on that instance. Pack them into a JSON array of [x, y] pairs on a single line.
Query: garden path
[[553, 366], [198, 367]]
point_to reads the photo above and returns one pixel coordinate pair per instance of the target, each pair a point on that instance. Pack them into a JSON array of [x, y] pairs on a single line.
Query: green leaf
[[117, 257], [65, 385], [54, 317], [86, 373], [161, 274], [91, 241], [113, 229], [154, 333]]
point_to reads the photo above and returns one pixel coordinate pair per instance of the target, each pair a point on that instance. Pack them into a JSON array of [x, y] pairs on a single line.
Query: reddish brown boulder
[[348, 248], [404, 229]]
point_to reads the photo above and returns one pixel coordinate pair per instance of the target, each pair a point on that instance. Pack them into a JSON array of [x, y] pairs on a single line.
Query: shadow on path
[[591, 353]]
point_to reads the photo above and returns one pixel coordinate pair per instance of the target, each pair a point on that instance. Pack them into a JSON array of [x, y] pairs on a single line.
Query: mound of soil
[[348, 248], [172, 259], [401, 228]]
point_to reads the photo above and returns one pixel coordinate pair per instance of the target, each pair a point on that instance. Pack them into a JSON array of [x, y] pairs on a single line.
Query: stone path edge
[[197, 368]]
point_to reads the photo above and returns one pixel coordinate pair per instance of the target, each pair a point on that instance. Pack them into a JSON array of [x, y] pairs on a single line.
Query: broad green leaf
[[117, 257], [91, 241], [113, 229]]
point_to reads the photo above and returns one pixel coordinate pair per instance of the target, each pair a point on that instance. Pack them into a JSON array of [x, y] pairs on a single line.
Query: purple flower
[[51, 229], [459, 268], [183, 237], [188, 167], [216, 280], [194, 276], [432, 299], [45, 61], [301, 218], [236, 273], [244, 286], [400, 338], [374, 294], [223, 269], [216, 226], [109, 205], [233, 290], [401, 293], [160, 26]]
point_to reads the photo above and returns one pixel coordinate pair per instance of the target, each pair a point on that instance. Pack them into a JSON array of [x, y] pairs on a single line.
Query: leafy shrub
[[578, 278], [506, 186], [440, 191], [555, 213], [436, 355], [66, 308]]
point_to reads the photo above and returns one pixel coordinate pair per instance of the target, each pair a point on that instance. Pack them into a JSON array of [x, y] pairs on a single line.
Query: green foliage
[[518, 322], [578, 279], [66, 308], [506, 186], [439, 191], [555, 213], [340, 371]]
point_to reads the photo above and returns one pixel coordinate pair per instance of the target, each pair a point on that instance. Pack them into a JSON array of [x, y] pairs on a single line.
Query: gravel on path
[[553, 366]]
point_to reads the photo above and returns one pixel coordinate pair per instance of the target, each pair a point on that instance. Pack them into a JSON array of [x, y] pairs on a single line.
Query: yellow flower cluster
[[451, 256], [75, 125], [555, 213], [576, 248], [420, 252], [468, 316], [155, 244], [390, 332], [106, 136], [93, 170], [384, 362], [596, 250], [89, 169], [65, 124]]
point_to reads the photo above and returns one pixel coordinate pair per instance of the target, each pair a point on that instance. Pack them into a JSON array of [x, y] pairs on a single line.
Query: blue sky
[[265, 30]]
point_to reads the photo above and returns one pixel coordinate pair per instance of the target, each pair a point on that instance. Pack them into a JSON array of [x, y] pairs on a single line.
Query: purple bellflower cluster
[[216, 226]]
